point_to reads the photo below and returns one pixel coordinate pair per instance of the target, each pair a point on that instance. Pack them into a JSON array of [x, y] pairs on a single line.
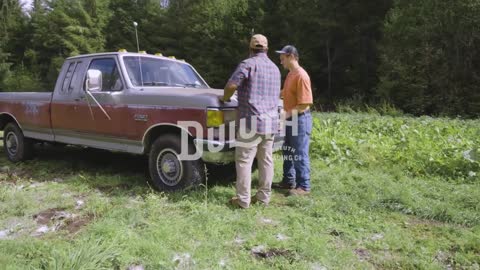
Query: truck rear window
[[68, 78]]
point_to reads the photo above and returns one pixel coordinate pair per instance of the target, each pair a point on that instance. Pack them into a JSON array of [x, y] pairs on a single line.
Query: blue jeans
[[296, 161]]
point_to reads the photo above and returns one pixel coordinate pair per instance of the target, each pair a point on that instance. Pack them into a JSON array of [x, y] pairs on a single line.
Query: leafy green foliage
[[22, 80], [423, 147]]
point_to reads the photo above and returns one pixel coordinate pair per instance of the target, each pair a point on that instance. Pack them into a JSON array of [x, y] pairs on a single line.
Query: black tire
[[17, 147], [167, 171]]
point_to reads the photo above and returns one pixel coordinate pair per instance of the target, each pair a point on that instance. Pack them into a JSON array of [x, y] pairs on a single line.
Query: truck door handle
[[80, 98]]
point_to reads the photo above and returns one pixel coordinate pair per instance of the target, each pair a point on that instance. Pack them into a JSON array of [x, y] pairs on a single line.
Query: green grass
[[386, 203]]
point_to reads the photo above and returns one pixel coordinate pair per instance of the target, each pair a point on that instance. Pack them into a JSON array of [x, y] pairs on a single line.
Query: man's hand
[[223, 100], [288, 114], [230, 89], [284, 115], [302, 108]]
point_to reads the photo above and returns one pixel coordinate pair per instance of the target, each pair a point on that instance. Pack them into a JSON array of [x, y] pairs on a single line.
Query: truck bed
[[31, 110]]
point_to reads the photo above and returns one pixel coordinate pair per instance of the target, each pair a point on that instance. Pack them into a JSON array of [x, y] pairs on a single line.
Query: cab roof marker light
[[122, 50], [142, 52], [172, 57], [158, 54]]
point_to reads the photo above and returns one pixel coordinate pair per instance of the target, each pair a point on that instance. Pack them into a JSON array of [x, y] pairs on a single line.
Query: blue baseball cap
[[289, 49]]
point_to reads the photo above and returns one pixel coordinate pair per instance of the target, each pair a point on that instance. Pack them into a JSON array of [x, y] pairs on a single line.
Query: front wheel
[[167, 171], [17, 147]]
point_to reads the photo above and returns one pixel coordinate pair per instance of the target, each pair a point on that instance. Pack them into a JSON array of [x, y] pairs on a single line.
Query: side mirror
[[94, 80]]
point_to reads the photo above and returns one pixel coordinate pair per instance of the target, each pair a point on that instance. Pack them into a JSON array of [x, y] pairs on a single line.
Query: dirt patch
[[49, 215], [74, 225], [268, 221], [23, 173], [362, 254], [9, 175], [261, 253], [183, 261], [239, 240], [56, 219], [446, 259], [80, 201], [281, 237], [16, 173], [4, 234], [376, 237]]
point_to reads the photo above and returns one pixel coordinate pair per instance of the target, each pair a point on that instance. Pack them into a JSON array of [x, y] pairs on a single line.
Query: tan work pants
[[261, 147]]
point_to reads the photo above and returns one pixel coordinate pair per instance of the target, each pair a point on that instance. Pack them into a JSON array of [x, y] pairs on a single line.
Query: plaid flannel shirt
[[258, 81]]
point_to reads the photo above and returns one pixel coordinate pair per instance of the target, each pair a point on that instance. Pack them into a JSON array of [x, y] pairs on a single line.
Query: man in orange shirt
[[297, 98]]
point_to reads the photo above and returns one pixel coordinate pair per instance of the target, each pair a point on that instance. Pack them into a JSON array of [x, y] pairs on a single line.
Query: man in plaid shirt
[[257, 80]]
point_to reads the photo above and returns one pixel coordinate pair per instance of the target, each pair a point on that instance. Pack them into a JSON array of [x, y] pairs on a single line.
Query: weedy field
[[388, 193]]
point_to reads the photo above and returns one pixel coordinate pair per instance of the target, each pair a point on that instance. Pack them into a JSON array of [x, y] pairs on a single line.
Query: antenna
[[252, 32], [135, 24]]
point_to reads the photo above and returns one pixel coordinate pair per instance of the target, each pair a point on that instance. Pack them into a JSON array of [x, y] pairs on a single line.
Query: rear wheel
[[17, 147], [167, 171]]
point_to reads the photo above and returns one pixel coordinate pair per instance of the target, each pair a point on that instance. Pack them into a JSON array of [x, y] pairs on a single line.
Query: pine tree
[[430, 57], [64, 28], [13, 24]]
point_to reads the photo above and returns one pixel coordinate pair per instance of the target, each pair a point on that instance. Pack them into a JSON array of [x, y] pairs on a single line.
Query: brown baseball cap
[[258, 41]]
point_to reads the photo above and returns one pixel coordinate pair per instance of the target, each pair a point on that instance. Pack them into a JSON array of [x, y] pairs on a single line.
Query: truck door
[[66, 116], [91, 120], [110, 121]]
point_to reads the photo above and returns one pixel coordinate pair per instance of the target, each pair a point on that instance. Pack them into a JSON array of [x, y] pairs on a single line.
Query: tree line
[[422, 56]]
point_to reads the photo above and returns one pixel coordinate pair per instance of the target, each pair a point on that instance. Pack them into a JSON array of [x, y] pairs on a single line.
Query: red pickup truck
[[128, 102]]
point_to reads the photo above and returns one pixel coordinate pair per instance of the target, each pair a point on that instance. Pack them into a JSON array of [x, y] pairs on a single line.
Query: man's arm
[[240, 74], [229, 90]]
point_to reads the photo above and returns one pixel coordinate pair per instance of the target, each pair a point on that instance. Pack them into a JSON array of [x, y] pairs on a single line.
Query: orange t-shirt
[[297, 89]]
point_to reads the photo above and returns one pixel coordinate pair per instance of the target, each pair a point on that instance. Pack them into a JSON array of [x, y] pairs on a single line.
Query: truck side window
[[68, 78], [74, 80], [111, 80]]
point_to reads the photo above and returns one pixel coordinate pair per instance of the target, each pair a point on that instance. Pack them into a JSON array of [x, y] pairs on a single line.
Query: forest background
[[420, 57]]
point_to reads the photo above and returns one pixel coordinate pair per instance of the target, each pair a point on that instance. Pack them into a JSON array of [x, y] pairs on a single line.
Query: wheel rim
[[169, 167], [11, 142]]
